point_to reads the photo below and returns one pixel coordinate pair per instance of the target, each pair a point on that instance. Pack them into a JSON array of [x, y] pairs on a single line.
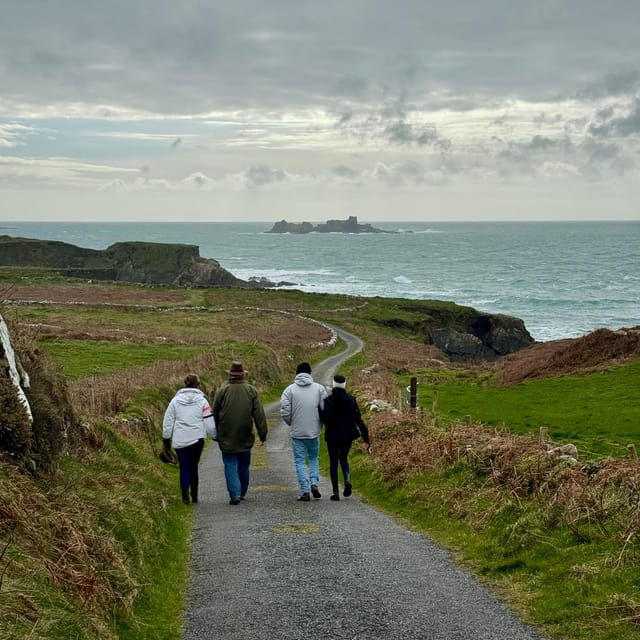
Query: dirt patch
[[600, 349], [84, 293]]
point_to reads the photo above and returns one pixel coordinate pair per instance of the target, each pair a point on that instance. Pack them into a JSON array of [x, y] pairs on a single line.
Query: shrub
[[55, 424], [15, 426]]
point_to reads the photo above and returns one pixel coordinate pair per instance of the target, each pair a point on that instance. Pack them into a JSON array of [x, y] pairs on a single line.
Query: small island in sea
[[350, 225]]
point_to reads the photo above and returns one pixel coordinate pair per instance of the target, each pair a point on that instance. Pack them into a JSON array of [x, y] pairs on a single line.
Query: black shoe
[[305, 497], [347, 490], [334, 497], [316, 493], [234, 501]]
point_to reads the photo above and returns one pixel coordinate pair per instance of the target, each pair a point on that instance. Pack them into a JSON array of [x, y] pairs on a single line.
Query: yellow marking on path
[[270, 487], [259, 457], [296, 527]]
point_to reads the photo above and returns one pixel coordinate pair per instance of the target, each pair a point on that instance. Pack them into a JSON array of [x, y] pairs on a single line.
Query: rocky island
[[350, 225]]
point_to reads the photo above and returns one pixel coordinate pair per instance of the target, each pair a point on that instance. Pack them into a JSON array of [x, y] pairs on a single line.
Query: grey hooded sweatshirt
[[300, 406]]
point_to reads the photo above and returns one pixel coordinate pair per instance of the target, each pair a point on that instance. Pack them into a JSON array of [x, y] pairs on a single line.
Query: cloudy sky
[[307, 110]]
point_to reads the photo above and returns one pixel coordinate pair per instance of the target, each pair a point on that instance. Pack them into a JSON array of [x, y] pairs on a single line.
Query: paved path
[[273, 568]]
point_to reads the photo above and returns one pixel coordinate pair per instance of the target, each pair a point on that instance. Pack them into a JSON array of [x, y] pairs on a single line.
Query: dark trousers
[[339, 454], [188, 459]]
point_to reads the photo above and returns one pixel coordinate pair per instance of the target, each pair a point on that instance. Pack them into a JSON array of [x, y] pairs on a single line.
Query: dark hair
[[191, 380], [339, 379], [303, 367]]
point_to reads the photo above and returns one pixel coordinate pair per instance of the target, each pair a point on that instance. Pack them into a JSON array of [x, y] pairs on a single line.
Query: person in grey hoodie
[[187, 421], [300, 406]]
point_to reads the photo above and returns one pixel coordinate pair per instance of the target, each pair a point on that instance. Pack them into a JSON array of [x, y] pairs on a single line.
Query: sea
[[563, 279]]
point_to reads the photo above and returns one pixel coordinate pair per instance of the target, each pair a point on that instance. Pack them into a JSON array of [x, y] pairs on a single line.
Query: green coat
[[236, 408]]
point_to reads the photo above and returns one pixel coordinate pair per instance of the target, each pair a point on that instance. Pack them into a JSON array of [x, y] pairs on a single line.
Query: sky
[[211, 110]]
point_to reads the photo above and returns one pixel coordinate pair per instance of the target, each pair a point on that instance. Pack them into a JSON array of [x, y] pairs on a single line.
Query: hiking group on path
[[305, 406], [279, 568]]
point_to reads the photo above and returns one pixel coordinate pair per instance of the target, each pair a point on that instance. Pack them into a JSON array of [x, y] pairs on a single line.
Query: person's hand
[[369, 449]]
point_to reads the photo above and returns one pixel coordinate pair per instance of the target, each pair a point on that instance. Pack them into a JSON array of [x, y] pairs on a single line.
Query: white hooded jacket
[[188, 418], [300, 406]]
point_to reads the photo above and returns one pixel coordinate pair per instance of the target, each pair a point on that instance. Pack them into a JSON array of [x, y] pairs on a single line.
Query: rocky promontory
[[350, 225], [141, 262]]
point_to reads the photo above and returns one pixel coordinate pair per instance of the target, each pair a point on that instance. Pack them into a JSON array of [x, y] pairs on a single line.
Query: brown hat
[[237, 371]]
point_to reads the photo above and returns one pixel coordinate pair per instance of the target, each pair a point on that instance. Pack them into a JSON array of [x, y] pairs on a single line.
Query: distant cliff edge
[[141, 262], [350, 225]]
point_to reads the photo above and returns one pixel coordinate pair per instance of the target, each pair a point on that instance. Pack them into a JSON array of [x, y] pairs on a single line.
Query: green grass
[[598, 412], [86, 358]]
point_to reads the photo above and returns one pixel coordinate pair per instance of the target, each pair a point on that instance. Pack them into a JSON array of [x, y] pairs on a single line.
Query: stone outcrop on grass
[[461, 333], [140, 262]]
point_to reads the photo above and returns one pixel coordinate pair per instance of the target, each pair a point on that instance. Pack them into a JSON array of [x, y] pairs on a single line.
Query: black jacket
[[342, 419]]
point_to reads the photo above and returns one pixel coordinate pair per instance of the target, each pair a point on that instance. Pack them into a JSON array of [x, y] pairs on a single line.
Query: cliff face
[[350, 225], [141, 262], [26, 252]]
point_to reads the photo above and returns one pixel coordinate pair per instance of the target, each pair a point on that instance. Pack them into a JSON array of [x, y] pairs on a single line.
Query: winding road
[[273, 568]]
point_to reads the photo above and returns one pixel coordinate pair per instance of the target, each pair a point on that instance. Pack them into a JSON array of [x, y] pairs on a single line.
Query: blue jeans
[[236, 472], [304, 448]]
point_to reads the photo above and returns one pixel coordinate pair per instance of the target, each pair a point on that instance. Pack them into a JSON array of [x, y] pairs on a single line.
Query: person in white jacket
[[187, 422], [300, 406]]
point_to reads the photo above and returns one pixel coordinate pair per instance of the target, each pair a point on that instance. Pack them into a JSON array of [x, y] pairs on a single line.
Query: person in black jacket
[[343, 424]]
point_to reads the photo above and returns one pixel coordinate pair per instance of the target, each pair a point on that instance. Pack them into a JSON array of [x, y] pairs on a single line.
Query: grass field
[[598, 412]]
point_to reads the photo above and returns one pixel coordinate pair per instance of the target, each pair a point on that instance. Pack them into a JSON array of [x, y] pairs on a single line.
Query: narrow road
[[273, 568]]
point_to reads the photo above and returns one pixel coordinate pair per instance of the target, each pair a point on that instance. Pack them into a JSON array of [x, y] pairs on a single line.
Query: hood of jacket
[[303, 379], [188, 395]]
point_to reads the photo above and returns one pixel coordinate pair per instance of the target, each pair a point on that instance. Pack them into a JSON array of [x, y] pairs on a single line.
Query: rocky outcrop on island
[[350, 225], [140, 262]]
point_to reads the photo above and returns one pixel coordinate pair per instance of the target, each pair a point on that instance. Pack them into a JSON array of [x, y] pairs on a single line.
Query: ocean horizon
[[563, 279]]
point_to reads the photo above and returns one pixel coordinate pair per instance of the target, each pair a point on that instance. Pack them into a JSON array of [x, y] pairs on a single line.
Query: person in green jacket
[[236, 409]]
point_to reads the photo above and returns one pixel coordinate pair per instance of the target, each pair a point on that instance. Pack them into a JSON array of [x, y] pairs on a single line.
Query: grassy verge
[[98, 550], [598, 412]]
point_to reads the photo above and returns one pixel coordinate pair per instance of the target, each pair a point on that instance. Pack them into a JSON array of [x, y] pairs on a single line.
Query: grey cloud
[[198, 55], [342, 171], [614, 83], [261, 174], [352, 85], [403, 173], [407, 134], [617, 121]]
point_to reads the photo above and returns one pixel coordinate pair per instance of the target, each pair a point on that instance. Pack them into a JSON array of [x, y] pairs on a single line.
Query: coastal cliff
[[350, 225], [140, 262]]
